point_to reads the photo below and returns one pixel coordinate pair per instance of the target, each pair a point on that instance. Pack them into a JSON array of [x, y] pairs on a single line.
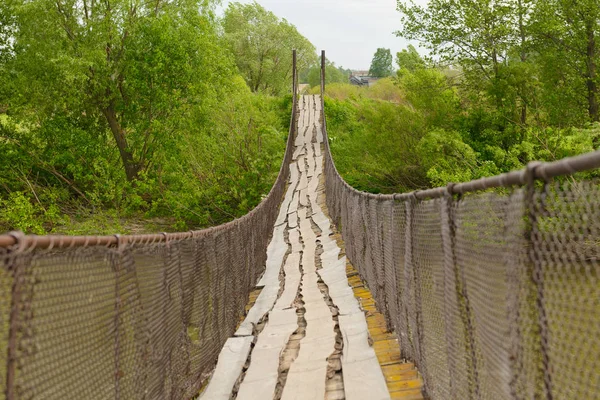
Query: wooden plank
[[322, 222], [299, 141], [293, 220], [293, 207], [318, 165], [307, 375], [294, 173], [334, 276], [310, 160], [304, 197], [269, 281], [263, 304], [285, 205], [312, 194], [362, 373], [317, 149], [261, 377], [294, 239], [289, 194], [313, 186], [330, 257], [292, 282], [303, 184], [305, 384], [306, 116], [299, 151], [309, 240], [275, 253], [232, 358]]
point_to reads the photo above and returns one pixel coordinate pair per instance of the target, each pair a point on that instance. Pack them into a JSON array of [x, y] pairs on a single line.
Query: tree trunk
[[592, 86], [523, 37], [131, 168]]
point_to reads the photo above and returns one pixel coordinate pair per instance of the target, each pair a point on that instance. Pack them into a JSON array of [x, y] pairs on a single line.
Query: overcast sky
[[350, 31]]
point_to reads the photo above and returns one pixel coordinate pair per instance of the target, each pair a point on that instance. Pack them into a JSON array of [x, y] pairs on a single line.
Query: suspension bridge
[[479, 290]]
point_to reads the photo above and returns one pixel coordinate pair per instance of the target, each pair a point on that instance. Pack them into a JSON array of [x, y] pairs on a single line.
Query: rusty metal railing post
[[294, 125], [513, 232], [117, 266], [294, 73], [15, 267], [322, 72], [536, 274]]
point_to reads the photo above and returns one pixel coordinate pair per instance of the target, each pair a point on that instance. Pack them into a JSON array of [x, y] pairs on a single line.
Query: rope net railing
[[492, 286], [128, 317]]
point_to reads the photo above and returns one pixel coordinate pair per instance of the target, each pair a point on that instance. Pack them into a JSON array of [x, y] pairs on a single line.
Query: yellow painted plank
[[402, 379], [399, 368], [404, 385], [412, 394]]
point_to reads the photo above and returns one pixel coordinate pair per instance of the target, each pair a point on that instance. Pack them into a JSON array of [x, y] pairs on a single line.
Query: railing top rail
[[538, 170]]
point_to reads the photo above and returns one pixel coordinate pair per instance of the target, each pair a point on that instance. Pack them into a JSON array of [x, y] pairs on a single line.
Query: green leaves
[[130, 110], [262, 45], [333, 74], [381, 65]]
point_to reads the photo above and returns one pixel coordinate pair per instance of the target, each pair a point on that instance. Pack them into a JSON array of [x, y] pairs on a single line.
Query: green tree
[[409, 60], [430, 92], [567, 34], [333, 74], [381, 65], [446, 158], [485, 37], [127, 67], [262, 45]]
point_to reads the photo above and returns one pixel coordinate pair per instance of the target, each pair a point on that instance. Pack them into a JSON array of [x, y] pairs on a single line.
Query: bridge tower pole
[[294, 72], [322, 71]]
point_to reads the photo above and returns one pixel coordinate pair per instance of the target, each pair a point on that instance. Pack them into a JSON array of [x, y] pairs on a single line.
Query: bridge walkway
[[312, 330]]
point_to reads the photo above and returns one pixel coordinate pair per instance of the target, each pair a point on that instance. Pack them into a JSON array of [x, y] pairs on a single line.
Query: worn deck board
[[269, 281], [231, 361], [261, 377]]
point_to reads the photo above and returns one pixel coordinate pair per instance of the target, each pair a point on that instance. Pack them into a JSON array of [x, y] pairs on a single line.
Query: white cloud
[[350, 31]]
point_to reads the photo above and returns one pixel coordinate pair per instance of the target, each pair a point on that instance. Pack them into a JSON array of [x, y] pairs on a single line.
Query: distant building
[[362, 78]]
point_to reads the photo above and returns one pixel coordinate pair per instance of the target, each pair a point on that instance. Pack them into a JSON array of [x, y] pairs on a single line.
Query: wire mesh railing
[[128, 317], [492, 286]]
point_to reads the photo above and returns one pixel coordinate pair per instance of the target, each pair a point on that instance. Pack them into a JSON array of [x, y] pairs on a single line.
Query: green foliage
[[22, 212], [383, 89], [446, 158], [126, 72], [528, 61], [567, 39], [443, 131], [381, 65], [262, 45], [111, 116], [409, 60], [430, 92], [553, 144], [333, 74], [367, 134]]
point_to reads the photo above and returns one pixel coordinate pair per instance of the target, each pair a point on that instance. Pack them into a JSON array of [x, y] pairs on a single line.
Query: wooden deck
[[311, 329]]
